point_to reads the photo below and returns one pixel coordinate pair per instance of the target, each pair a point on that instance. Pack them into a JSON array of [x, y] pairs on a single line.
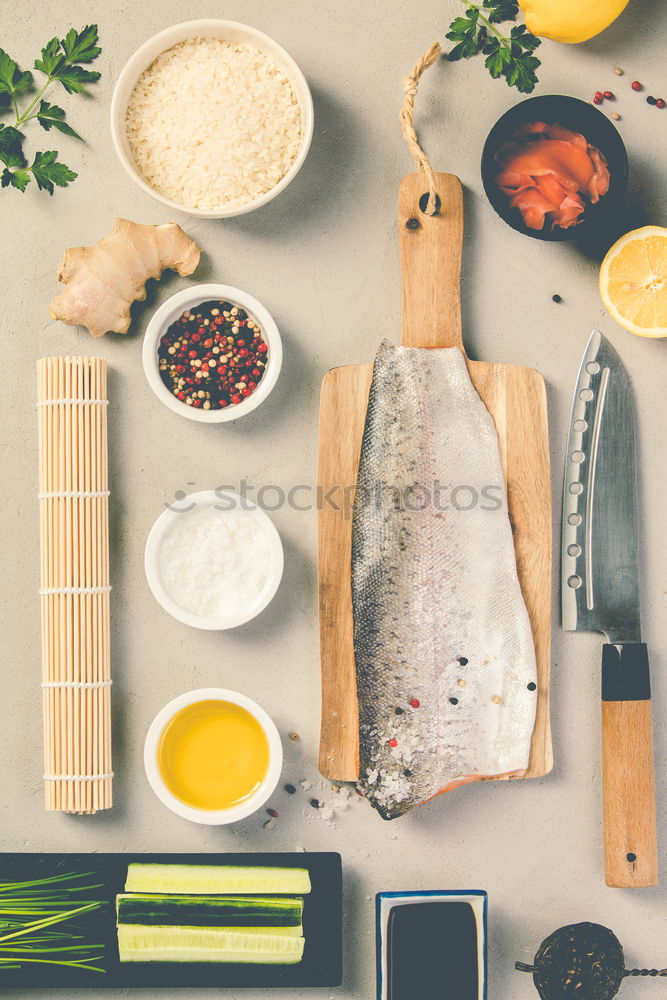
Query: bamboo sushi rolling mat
[[74, 588]]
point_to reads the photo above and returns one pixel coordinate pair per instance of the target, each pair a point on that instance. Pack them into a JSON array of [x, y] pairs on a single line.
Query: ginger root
[[103, 280]]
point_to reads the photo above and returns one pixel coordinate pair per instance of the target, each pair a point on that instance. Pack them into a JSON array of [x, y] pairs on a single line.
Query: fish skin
[[434, 585]]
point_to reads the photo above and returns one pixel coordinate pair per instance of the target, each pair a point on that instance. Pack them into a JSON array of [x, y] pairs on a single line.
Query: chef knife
[[600, 592]]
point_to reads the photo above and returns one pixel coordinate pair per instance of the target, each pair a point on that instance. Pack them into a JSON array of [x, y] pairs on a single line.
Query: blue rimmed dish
[[469, 965]]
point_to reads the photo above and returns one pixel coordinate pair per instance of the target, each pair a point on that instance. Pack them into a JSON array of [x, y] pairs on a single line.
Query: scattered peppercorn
[[556, 298], [335, 788], [636, 85], [294, 737], [660, 103], [532, 686], [615, 115], [453, 701], [497, 700], [273, 813], [618, 71], [609, 95], [462, 660], [392, 742], [407, 772], [191, 368], [399, 711], [651, 100], [315, 803], [290, 789], [415, 703]]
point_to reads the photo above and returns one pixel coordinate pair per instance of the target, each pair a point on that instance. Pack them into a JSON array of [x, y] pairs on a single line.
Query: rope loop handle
[[410, 87]]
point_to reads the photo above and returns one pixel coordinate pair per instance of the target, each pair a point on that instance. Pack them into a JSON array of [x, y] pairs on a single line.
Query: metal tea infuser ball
[[583, 961]]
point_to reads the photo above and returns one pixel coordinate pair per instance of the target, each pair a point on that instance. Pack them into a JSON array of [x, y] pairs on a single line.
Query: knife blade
[[600, 591]]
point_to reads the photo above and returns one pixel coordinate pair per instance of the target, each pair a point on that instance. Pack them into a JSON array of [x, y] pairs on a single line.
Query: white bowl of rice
[[212, 118]]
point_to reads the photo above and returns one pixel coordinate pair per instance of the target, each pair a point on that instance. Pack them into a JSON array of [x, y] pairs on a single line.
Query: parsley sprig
[[61, 62], [510, 56]]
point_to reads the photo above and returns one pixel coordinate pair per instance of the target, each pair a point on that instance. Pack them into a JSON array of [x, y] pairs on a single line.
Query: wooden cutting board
[[431, 248]]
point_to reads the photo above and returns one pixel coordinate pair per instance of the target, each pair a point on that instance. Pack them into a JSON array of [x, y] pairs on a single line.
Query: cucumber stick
[[137, 943], [208, 880], [209, 911]]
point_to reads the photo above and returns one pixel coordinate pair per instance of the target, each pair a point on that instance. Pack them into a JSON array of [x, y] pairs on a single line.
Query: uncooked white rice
[[213, 123]]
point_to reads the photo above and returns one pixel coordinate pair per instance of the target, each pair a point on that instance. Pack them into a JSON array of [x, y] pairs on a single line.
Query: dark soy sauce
[[432, 952]]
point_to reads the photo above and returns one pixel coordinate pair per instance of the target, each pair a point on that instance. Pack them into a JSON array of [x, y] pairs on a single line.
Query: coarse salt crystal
[[214, 563]]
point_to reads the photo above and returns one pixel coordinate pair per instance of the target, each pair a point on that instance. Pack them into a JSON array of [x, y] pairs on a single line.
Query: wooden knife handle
[[630, 836], [431, 247]]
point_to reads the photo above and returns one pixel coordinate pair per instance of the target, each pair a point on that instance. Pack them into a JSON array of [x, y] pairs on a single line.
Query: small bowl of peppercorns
[[212, 353]]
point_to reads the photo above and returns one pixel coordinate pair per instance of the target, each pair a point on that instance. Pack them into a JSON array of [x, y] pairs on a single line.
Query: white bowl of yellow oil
[[213, 756]]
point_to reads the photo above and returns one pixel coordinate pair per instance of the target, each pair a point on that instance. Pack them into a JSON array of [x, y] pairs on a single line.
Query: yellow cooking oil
[[213, 755]]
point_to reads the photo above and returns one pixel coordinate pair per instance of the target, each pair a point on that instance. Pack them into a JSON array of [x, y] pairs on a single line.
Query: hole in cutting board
[[423, 202]]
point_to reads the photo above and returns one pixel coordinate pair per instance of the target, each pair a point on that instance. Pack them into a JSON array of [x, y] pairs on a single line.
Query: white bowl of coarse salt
[[212, 118], [213, 559]]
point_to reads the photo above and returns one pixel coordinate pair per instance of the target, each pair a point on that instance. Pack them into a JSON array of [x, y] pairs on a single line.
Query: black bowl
[[580, 117]]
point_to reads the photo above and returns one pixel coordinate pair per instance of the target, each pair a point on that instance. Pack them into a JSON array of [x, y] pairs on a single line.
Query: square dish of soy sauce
[[431, 944]]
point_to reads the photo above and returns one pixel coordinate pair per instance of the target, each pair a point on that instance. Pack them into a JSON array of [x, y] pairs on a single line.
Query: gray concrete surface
[[323, 258]]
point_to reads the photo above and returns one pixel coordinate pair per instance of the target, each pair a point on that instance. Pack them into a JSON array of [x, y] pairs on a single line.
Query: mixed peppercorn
[[213, 356], [636, 85]]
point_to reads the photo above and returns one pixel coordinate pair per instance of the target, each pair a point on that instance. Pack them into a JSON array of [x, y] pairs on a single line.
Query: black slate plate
[[322, 926]]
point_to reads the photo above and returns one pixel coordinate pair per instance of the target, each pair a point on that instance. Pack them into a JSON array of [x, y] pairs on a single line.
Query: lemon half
[[633, 281]]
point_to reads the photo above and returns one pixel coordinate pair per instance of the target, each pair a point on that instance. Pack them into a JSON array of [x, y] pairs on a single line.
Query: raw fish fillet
[[545, 169], [439, 617]]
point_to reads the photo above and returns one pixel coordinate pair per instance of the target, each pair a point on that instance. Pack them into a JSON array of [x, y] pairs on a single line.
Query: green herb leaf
[[75, 78], [498, 58], [509, 56], [16, 173], [13, 80], [460, 25], [61, 57], [10, 138], [51, 116], [501, 10], [13, 157], [81, 46], [521, 36], [61, 61], [47, 171], [15, 178], [521, 74], [51, 57]]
